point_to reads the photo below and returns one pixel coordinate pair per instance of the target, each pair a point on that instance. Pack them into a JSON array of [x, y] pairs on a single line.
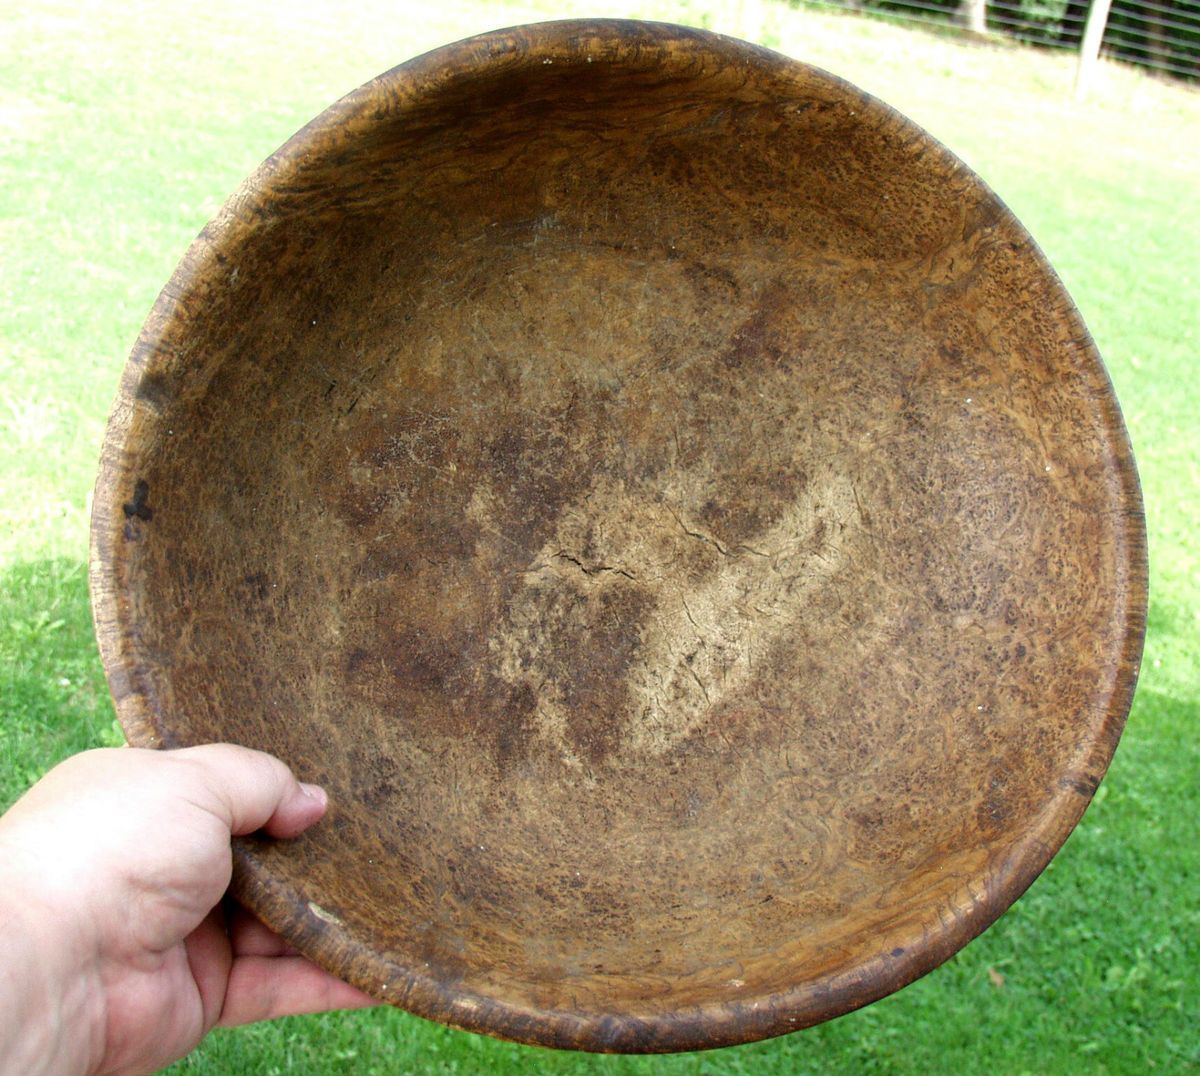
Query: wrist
[[48, 1018]]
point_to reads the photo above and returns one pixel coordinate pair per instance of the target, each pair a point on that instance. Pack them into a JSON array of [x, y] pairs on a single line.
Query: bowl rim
[[976, 903]]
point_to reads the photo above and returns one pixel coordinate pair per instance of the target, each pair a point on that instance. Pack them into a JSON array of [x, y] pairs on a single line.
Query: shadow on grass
[[53, 697]]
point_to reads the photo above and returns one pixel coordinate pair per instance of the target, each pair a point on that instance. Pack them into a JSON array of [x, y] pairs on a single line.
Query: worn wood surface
[[671, 505]]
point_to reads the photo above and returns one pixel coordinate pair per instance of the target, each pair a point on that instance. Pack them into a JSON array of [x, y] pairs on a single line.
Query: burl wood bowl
[[667, 500]]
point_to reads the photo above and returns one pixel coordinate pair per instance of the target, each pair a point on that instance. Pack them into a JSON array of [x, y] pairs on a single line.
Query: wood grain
[[669, 503]]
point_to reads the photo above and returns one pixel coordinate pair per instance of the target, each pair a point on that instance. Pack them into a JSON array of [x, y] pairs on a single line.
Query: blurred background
[[124, 127]]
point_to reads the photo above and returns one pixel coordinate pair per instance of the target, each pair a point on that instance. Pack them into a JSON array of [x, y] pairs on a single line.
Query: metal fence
[[1161, 35]]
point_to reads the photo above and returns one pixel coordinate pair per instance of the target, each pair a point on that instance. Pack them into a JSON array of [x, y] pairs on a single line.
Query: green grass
[[122, 127]]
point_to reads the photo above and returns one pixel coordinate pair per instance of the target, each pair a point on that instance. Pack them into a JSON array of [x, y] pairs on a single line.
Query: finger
[[251, 790], [209, 960], [263, 988], [251, 937]]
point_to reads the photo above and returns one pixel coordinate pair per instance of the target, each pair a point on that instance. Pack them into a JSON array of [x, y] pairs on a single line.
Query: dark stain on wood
[[137, 506]]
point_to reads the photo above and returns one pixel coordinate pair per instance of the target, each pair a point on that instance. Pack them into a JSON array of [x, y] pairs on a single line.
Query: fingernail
[[315, 792]]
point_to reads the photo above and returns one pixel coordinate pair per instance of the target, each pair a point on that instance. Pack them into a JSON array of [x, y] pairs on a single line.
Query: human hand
[[116, 955]]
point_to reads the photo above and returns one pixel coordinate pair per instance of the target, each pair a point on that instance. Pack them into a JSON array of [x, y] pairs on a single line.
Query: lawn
[[123, 127]]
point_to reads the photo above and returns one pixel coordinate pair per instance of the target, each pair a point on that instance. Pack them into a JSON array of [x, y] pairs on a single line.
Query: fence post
[[1089, 51]]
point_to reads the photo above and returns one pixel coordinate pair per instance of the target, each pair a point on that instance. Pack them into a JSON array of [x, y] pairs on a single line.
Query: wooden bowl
[[670, 504]]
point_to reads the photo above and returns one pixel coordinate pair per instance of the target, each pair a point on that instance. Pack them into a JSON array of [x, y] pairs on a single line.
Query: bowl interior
[[671, 506]]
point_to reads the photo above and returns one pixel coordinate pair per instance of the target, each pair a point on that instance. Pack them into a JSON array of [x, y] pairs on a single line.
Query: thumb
[[251, 790]]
